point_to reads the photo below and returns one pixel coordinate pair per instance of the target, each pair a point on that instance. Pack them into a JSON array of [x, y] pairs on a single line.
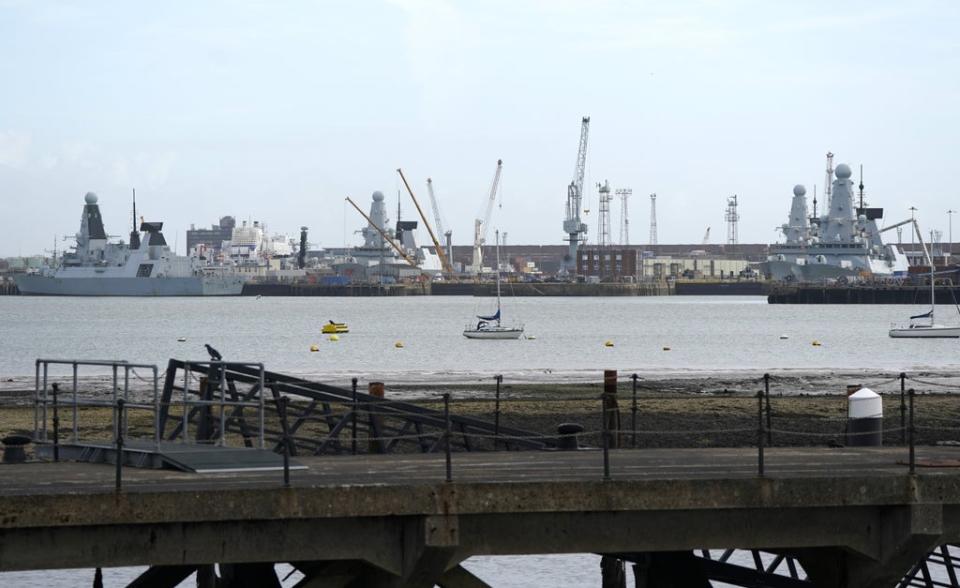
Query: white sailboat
[[490, 327], [923, 325]]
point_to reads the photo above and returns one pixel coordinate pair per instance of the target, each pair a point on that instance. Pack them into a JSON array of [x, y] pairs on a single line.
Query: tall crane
[[575, 228], [447, 235], [445, 263], [480, 225], [383, 234], [706, 237]]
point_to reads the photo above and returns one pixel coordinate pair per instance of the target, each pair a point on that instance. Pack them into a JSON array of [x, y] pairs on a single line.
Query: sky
[[276, 111]]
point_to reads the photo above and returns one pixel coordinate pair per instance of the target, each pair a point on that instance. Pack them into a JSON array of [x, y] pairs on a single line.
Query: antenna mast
[[653, 218], [733, 217], [624, 194], [828, 189], [603, 237], [861, 189]]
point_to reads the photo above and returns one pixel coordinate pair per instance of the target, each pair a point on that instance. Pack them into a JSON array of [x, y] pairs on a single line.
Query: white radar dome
[[91, 198], [843, 171], [378, 196], [799, 190]]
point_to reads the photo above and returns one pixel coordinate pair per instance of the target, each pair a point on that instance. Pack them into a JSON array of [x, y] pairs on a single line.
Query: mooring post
[[496, 413], [376, 445], [118, 417], [353, 425], [605, 434], [912, 429], [56, 424], [633, 410], [286, 442], [766, 396], [611, 408], [760, 433], [446, 435], [903, 409]]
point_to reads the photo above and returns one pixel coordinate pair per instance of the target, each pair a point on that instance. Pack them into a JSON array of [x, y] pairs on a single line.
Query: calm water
[[704, 334]]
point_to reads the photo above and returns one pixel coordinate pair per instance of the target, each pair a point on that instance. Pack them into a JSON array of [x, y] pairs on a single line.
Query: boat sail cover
[[494, 317], [925, 315]]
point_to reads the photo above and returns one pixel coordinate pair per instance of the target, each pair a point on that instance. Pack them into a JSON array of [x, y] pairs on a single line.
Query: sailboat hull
[[926, 332], [503, 333]]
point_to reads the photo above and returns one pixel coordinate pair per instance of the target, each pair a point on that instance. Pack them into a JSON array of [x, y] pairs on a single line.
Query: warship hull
[[786, 271], [38, 285]]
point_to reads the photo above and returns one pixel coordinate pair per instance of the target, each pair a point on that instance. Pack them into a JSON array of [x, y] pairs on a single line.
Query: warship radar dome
[[378, 196], [90, 198], [799, 190], [843, 171]]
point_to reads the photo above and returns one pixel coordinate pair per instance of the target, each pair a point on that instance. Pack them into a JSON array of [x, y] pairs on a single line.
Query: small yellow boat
[[334, 328]]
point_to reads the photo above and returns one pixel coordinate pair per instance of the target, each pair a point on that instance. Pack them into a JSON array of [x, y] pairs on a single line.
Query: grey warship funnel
[[146, 267]]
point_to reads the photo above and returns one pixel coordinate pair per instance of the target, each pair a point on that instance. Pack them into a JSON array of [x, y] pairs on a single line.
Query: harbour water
[[565, 336], [706, 335]]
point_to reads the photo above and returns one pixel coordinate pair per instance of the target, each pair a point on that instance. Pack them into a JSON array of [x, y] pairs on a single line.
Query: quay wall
[[816, 294]]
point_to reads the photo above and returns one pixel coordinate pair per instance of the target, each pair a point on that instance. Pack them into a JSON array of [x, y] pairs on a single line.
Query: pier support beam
[[905, 535]]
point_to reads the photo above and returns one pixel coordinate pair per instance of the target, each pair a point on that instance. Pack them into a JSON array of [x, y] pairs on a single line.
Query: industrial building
[[212, 239]]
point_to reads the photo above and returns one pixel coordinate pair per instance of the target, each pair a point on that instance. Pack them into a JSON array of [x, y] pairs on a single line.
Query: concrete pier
[[852, 517]]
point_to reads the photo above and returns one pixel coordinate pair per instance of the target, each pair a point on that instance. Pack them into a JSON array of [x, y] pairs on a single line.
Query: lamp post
[[950, 214]]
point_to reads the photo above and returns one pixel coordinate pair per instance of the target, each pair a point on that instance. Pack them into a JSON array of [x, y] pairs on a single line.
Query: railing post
[[56, 423], [353, 425], [766, 395], [760, 433], [119, 443], [903, 409], [633, 411], [286, 442], [446, 435], [912, 430], [605, 434], [496, 413]]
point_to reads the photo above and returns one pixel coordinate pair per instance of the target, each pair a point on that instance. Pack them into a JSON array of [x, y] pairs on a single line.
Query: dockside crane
[[706, 237], [444, 262], [447, 235], [383, 234], [480, 225], [573, 226]]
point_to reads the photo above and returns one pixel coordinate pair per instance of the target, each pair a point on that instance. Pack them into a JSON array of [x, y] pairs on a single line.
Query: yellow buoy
[[333, 338], [666, 349], [816, 344], [314, 348], [608, 343], [398, 344]]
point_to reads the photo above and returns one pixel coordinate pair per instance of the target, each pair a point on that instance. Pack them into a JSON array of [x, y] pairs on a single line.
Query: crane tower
[[653, 218], [575, 228], [624, 194], [732, 217]]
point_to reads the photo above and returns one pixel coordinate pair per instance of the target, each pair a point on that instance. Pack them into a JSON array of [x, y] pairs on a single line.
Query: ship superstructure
[[844, 243], [145, 267]]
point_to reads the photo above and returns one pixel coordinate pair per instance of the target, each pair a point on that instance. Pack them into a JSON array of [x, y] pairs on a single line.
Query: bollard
[[864, 419], [446, 435], [286, 442], [119, 433], [913, 461], [353, 425], [633, 411], [56, 423], [760, 433], [496, 413], [903, 409], [567, 436], [375, 445], [766, 396]]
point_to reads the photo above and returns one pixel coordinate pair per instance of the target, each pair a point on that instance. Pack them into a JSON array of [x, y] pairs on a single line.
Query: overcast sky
[[275, 111]]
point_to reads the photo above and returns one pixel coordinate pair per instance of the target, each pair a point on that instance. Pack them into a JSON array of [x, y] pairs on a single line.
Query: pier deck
[[852, 517]]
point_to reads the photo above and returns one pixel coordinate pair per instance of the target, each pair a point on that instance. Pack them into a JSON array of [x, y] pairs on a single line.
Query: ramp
[[194, 458]]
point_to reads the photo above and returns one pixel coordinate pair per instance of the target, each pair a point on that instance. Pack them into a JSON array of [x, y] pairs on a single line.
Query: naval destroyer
[[144, 267], [844, 244]]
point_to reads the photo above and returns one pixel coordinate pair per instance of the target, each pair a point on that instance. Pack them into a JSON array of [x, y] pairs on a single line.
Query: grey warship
[[144, 267], [844, 244]]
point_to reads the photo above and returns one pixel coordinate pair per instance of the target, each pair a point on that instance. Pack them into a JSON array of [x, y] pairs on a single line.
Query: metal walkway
[[192, 458]]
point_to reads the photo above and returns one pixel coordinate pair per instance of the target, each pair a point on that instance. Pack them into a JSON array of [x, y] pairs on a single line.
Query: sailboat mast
[[497, 269]]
